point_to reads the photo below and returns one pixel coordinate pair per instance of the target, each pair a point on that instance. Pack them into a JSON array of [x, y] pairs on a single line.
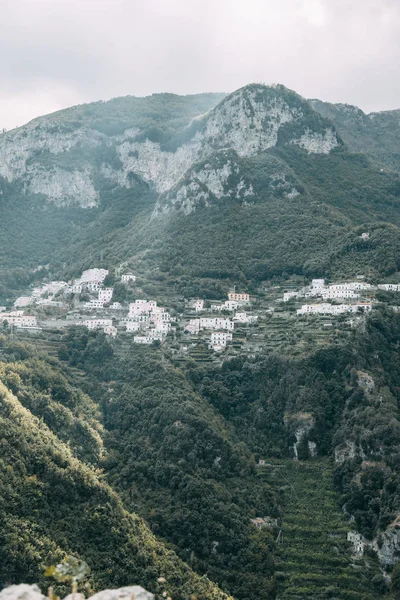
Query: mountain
[[170, 460], [259, 170]]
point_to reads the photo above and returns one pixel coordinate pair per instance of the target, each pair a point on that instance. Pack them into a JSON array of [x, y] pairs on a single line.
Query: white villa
[[193, 326], [128, 277], [198, 305], [97, 323], [216, 323], [94, 304], [219, 339], [323, 309], [18, 319], [105, 295], [141, 306], [389, 287], [339, 291], [142, 339], [75, 288], [116, 306]]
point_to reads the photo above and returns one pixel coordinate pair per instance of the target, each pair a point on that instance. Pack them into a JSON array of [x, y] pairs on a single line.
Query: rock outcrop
[[64, 161]]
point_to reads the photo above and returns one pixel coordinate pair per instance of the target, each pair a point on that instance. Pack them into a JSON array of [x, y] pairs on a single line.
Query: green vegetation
[[313, 557], [145, 465], [52, 504], [376, 135]]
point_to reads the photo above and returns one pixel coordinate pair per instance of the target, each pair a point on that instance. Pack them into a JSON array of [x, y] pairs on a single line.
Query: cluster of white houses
[[147, 321], [221, 327], [352, 291], [91, 280], [336, 291], [333, 309]]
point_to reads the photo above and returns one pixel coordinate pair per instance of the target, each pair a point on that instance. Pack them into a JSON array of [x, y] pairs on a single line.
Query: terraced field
[[314, 560]]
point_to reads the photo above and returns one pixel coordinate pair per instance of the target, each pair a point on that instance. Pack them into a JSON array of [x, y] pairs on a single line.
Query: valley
[[199, 347]]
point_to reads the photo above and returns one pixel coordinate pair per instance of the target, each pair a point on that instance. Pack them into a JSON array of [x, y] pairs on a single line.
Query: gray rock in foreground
[[21, 592], [32, 592], [134, 591]]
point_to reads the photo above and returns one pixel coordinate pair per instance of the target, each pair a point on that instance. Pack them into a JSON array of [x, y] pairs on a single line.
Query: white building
[[220, 338], [75, 288], [159, 314], [317, 283], [93, 276], [193, 326], [198, 305], [231, 305], [323, 309], [105, 295], [389, 287], [132, 326], [116, 306], [338, 291], [18, 319], [242, 317], [288, 295], [141, 306], [94, 304], [142, 339], [162, 327], [359, 286], [216, 323], [128, 277], [365, 236], [97, 323], [144, 318], [111, 331]]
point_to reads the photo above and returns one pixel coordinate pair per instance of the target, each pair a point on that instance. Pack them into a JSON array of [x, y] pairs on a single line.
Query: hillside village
[[243, 323]]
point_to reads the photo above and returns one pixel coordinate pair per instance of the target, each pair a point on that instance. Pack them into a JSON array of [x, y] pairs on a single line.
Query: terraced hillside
[[314, 558]]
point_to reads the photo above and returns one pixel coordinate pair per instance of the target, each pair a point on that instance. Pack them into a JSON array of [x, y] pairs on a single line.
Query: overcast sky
[[56, 53]]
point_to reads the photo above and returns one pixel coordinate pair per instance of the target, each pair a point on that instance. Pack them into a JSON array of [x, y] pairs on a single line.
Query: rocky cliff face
[[64, 163]]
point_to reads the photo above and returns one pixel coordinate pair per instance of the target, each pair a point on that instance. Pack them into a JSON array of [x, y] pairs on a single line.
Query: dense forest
[[181, 448]]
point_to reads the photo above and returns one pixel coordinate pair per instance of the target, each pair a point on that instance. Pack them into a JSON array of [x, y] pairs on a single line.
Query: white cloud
[[65, 51]]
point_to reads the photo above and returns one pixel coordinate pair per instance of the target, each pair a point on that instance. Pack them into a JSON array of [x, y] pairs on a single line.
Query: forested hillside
[[374, 134], [54, 503], [196, 474]]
